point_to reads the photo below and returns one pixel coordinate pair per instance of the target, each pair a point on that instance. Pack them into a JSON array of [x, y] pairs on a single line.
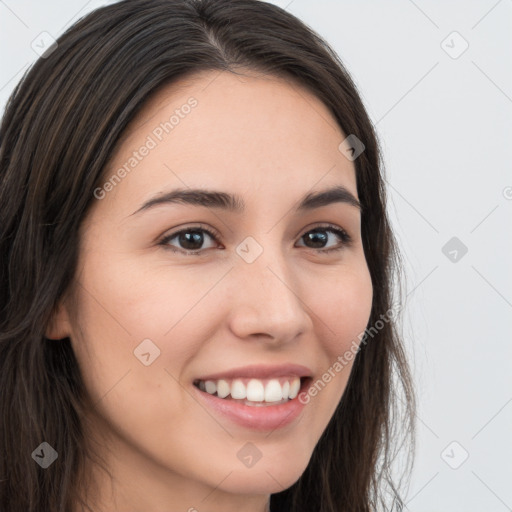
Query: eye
[[191, 240], [318, 237]]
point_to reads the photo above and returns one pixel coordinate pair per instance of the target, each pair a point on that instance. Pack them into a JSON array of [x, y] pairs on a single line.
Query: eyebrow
[[234, 203]]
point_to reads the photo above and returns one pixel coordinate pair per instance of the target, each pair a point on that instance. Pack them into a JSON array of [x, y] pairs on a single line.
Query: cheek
[[123, 303], [143, 301], [342, 308]]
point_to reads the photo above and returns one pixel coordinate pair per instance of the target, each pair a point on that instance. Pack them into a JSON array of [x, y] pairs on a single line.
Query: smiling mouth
[[255, 392]]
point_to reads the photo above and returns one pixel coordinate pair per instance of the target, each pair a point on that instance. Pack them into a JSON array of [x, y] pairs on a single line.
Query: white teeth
[[294, 387], [286, 390], [223, 388], [210, 387], [274, 391], [254, 390], [238, 390]]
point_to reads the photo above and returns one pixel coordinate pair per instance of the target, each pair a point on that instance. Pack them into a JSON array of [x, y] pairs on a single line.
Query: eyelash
[[346, 239]]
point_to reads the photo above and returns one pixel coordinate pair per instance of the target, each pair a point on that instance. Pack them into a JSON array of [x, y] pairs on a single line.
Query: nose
[[266, 301]]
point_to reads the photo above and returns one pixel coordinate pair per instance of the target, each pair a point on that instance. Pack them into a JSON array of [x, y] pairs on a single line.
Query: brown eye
[[318, 238], [189, 240]]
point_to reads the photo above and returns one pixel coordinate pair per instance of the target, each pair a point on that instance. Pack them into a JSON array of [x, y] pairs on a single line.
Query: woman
[[196, 271]]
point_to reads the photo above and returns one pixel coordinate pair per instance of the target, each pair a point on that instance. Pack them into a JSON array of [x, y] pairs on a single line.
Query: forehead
[[217, 129]]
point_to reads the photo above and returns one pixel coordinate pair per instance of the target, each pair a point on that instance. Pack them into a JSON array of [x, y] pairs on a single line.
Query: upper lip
[[260, 371]]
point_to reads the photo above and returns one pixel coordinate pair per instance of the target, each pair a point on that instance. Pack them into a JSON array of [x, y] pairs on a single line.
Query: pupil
[[188, 239], [317, 237]]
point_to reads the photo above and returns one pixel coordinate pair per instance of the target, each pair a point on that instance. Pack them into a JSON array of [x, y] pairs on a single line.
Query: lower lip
[[262, 418]]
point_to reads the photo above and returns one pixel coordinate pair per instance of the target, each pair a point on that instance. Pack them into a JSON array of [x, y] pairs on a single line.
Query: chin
[[266, 479]]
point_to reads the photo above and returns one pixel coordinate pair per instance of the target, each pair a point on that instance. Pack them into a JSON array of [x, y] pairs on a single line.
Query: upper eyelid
[[211, 231]]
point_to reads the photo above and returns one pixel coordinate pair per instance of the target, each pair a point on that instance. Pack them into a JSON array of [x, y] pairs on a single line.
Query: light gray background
[[445, 126]]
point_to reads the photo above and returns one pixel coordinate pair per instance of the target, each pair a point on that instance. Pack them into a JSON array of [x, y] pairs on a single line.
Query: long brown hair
[[62, 124]]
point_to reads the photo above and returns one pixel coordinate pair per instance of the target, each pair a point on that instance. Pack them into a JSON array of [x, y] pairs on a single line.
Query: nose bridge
[[267, 300]]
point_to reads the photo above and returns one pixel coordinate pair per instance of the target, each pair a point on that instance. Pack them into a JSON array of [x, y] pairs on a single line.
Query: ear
[[59, 326]]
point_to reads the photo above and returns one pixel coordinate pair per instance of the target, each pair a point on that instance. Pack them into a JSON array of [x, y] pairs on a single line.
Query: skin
[[271, 142]]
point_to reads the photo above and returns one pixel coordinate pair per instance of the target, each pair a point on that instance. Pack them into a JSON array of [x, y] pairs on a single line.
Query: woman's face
[[257, 306]]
